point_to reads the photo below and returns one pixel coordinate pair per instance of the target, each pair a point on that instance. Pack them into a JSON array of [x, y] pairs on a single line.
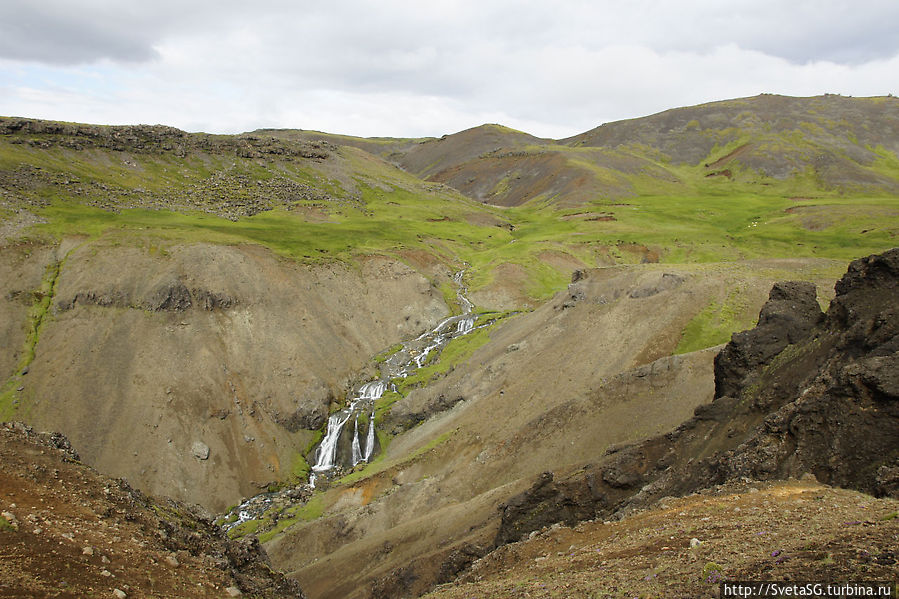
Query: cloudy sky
[[414, 68]]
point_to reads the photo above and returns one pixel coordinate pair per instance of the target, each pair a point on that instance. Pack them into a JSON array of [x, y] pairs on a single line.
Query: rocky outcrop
[[416, 409], [171, 296], [801, 393], [788, 317], [155, 138]]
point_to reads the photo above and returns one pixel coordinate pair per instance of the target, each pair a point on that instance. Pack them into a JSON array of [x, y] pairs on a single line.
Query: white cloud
[[396, 67]]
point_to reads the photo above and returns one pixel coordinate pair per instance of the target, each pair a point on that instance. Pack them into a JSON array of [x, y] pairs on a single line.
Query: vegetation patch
[[715, 323], [244, 528], [385, 355], [6, 525], [37, 317], [311, 510], [456, 351]]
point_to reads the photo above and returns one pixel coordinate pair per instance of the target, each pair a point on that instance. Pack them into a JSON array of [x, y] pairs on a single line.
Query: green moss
[[299, 468], [311, 510], [716, 323], [455, 352], [450, 297], [38, 315], [6, 525], [384, 355], [375, 208], [244, 528], [430, 445], [230, 518], [383, 404]]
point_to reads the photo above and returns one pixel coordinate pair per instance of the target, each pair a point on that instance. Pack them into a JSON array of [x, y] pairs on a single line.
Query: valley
[[392, 341]]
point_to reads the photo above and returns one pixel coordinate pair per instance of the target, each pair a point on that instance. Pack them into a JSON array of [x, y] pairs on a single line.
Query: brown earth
[[748, 531], [832, 138], [70, 532], [843, 129], [145, 353]]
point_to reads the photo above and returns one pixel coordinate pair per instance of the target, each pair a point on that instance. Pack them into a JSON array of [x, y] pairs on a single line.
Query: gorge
[[386, 365]]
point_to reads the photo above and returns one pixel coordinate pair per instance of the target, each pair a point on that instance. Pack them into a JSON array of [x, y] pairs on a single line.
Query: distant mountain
[[821, 144]]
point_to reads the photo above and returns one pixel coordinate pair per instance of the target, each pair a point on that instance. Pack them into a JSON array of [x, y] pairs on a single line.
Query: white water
[[370, 439], [327, 459]]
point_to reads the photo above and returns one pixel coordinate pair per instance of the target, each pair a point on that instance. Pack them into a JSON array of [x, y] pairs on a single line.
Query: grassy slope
[[362, 205]]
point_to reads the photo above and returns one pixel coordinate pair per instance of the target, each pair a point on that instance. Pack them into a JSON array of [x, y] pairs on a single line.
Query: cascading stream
[[331, 454], [413, 355]]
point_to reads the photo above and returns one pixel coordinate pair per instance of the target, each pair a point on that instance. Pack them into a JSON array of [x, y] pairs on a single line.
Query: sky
[[412, 68]]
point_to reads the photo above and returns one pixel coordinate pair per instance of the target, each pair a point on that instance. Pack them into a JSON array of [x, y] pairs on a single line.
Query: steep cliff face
[[200, 371], [824, 404]]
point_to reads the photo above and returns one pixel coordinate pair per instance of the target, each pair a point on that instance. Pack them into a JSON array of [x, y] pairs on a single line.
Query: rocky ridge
[[224, 192]]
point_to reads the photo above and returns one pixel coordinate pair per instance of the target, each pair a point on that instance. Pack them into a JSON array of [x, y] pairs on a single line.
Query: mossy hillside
[[12, 400], [683, 229], [369, 206], [731, 311]]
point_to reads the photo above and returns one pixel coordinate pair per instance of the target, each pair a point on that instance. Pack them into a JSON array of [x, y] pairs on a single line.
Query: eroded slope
[[202, 372]]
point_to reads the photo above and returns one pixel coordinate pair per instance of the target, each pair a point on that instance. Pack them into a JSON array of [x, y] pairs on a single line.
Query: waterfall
[[357, 451], [370, 438], [329, 456], [327, 451]]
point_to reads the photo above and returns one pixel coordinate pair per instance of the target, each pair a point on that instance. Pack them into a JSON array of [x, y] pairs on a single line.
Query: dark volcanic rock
[[800, 393], [169, 297], [569, 502], [173, 296], [209, 300], [404, 416], [458, 561], [787, 317]]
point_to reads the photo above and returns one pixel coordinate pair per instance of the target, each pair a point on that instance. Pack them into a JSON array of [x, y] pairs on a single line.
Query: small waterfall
[[357, 451], [370, 438], [327, 451], [329, 456], [465, 325]]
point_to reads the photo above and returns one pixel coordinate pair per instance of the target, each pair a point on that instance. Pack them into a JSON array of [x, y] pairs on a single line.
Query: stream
[[349, 442], [350, 438]]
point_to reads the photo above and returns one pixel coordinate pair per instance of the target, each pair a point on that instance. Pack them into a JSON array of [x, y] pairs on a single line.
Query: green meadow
[[360, 205]]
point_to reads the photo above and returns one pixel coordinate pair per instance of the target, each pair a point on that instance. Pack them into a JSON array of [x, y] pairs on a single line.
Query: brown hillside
[[149, 353], [587, 370], [800, 393], [837, 143], [68, 532]]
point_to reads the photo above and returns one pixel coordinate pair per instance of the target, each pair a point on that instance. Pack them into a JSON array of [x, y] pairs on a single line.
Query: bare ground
[[748, 531], [70, 532]]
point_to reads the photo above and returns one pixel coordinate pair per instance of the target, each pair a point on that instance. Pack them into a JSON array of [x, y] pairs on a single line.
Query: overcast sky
[[415, 68]]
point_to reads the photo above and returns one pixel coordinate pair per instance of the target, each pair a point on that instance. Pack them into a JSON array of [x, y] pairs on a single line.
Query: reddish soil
[[70, 532]]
